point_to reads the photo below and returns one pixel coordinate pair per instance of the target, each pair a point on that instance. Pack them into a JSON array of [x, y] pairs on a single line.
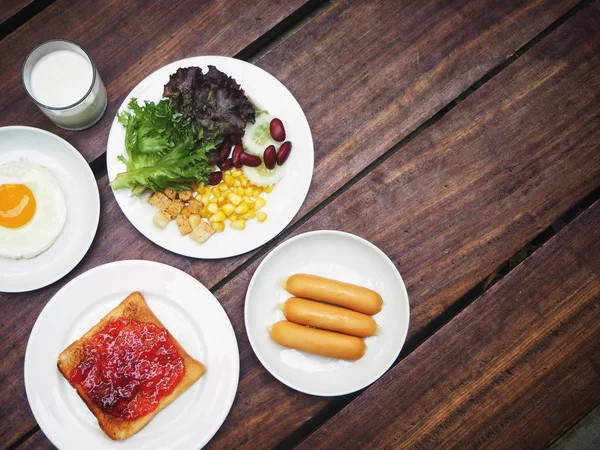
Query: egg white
[[50, 216]]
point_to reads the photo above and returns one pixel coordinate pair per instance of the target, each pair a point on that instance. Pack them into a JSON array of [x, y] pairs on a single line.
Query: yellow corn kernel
[[242, 208], [233, 217], [239, 224], [248, 191], [244, 182], [205, 212], [216, 192], [212, 208], [237, 183], [257, 191], [219, 226], [240, 191], [229, 180], [228, 209], [260, 202], [235, 199], [201, 190], [222, 200], [218, 217], [185, 211], [223, 187], [261, 216], [269, 189], [237, 173], [205, 199], [251, 204], [249, 215]]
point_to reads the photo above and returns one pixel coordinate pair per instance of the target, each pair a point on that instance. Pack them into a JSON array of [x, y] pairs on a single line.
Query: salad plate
[[188, 310], [282, 203], [339, 256]]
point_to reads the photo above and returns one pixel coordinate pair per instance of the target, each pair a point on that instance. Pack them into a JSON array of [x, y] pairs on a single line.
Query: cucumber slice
[[261, 176], [257, 136]]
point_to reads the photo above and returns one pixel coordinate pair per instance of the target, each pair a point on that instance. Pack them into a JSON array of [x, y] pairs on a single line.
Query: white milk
[[58, 74], [61, 78]]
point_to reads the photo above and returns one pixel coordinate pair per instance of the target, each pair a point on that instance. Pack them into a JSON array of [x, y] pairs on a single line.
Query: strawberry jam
[[128, 367]]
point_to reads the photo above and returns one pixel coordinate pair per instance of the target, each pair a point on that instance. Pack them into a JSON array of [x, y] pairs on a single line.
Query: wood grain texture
[[265, 411], [452, 205], [515, 369], [9, 8], [369, 73], [128, 41]]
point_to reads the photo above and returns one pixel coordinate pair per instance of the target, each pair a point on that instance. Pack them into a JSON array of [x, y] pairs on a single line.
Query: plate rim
[[279, 247], [91, 272], [182, 63], [84, 248]]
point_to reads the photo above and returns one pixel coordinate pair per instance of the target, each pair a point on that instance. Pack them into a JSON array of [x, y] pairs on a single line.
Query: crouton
[[195, 206], [171, 193], [160, 200], [185, 196], [161, 219], [175, 208], [202, 232], [194, 220], [184, 225]]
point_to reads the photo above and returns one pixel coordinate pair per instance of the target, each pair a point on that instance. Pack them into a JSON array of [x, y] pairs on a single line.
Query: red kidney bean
[[236, 139], [250, 160], [215, 178], [284, 152], [225, 149], [270, 157], [237, 152], [226, 165], [277, 130]]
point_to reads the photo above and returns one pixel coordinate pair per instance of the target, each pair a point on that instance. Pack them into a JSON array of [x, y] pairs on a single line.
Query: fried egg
[[33, 210]]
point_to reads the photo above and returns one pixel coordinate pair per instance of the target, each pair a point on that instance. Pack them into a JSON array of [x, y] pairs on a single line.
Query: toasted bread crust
[[134, 307]]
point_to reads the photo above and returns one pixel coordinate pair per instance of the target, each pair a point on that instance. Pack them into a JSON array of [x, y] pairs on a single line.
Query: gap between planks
[[251, 53], [263, 45], [22, 16]]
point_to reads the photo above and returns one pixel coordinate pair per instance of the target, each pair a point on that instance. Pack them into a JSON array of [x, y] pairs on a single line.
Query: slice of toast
[[134, 307]]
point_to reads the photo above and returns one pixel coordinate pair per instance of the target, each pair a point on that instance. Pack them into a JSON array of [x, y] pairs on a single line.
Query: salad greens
[[164, 149], [213, 100]]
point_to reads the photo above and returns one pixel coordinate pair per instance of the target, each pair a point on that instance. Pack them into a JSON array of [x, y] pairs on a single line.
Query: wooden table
[[462, 138]]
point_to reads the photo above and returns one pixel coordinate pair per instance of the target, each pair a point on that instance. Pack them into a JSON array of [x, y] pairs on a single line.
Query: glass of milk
[[61, 78]]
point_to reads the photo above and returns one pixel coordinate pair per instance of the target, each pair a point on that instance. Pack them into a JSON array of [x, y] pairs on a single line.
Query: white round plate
[[282, 204], [344, 257], [191, 314], [83, 207]]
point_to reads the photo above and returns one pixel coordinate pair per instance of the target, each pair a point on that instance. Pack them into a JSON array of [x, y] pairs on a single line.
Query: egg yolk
[[17, 205]]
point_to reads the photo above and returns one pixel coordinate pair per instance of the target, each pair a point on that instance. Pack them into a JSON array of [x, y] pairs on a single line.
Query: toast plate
[[191, 314], [282, 204], [344, 257], [83, 207]]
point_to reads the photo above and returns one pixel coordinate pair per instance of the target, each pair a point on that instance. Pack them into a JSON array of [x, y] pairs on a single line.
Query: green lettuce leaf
[[164, 149]]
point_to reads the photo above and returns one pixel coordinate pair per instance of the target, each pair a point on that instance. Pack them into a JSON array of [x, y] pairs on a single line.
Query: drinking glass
[[61, 78]]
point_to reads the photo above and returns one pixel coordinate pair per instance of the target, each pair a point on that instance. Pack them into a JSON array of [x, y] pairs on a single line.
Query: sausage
[[348, 295], [320, 342], [328, 317]]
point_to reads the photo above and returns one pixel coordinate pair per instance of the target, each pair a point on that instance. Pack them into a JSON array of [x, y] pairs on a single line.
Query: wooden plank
[[515, 369], [128, 41], [245, 429]]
